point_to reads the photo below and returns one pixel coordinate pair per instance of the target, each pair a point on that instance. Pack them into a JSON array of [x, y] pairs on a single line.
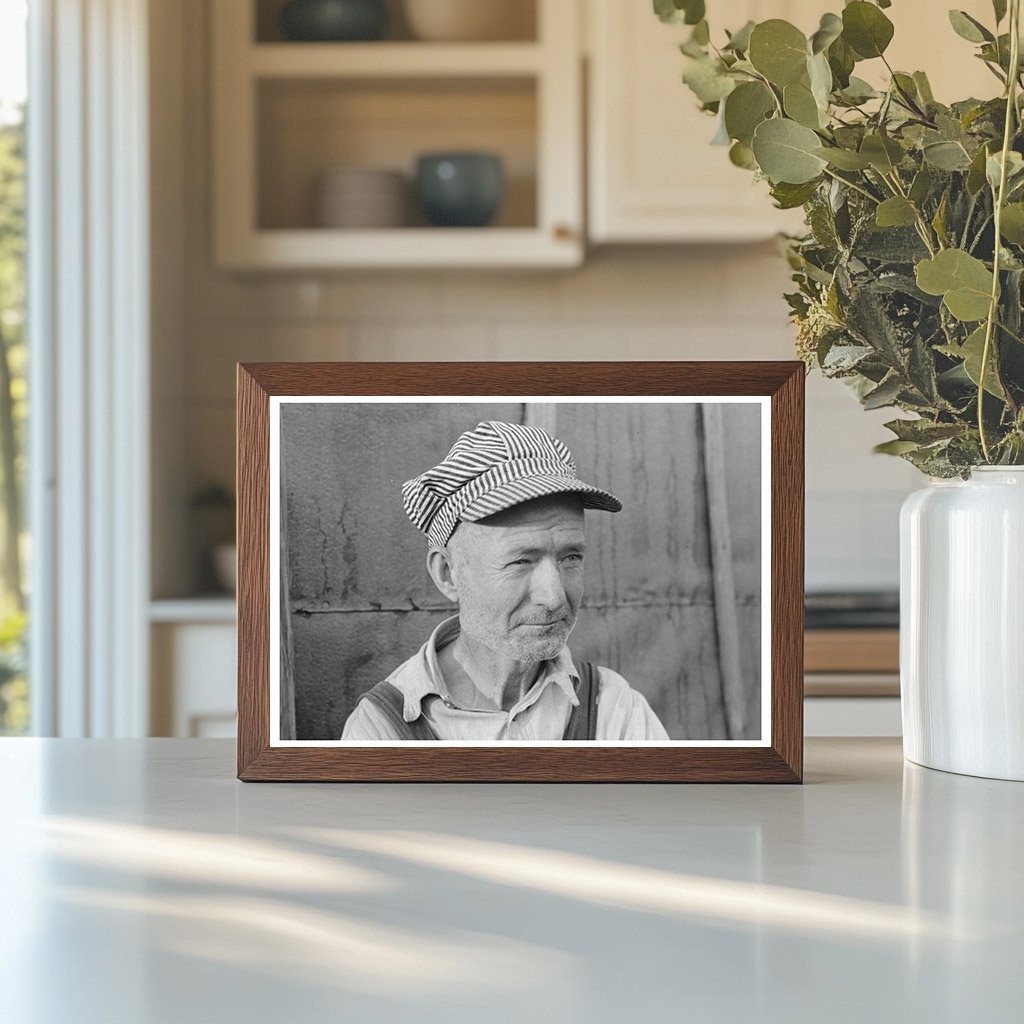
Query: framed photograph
[[520, 572]]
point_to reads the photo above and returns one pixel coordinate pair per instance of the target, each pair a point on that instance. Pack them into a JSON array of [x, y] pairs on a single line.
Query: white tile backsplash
[[646, 285], [506, 298], [716, 302], [372, 296]]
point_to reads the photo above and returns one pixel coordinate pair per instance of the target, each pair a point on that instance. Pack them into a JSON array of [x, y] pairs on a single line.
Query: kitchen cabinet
[[193, 655], [286, 113], [653, 175]]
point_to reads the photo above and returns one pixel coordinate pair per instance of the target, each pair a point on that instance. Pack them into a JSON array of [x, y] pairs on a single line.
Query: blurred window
[[14, 539]]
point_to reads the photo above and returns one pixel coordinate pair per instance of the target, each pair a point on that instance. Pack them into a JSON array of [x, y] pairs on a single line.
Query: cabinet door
[[654, 175]]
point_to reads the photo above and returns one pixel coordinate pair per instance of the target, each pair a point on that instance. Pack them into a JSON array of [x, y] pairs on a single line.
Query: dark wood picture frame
[[780, 761]]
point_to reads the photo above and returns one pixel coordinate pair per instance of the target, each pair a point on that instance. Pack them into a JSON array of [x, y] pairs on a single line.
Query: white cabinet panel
[[653, 174], [193, 673]]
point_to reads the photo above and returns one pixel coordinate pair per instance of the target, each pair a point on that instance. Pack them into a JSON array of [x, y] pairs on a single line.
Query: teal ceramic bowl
[[332, 21], [460, 189]]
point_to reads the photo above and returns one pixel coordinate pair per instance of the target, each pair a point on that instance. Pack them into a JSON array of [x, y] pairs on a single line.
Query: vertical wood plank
[[541, 414], [726, 624], [287, 710]]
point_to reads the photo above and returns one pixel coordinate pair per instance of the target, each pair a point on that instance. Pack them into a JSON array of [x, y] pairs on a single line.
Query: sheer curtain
[[88, 301]]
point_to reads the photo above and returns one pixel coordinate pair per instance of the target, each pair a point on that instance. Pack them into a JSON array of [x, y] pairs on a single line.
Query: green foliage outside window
[[13, 413]]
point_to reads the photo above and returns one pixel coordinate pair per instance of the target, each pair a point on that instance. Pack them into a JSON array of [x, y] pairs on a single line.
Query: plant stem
[[922, 225], [981, 231], [969, 218], [854, 186], [771, 90], [993, 309]]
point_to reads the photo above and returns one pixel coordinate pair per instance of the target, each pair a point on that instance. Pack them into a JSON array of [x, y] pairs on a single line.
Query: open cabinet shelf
[[286, 114], [394, 60]]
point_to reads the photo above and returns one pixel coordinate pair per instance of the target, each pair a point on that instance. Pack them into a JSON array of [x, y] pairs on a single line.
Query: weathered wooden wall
[[361, 600]]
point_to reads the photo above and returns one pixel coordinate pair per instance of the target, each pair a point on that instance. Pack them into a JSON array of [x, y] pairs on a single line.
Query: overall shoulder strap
[[582, 724], [388, 699]]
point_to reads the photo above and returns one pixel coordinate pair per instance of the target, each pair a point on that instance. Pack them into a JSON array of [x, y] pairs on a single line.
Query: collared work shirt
[[540, 714]]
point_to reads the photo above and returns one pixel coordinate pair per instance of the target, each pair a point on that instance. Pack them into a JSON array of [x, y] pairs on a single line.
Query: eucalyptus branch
[[1000, 198], [891, 292]]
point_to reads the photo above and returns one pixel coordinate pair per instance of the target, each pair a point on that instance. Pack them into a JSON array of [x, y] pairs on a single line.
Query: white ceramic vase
[[962, 624]]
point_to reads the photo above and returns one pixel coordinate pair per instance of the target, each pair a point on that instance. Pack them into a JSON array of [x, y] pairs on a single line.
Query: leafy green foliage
[[962, 280], [13, 416], [779, 51], [785, 151], [867, 31], [896, 274], [687, 12]]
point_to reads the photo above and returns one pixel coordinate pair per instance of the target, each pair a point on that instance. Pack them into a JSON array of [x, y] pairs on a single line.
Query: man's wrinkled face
[[519, 577]]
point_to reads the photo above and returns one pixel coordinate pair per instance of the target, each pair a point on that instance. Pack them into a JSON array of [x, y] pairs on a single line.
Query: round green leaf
[[707, 80], [994, 168], [789, 197], [1012, 223], [779, 51], [674, 12], [968, 28], [820, 76], [785, 152], [800, 105], [743, 156], [883, 153], [866, 29], [895, 212], [740, 39], [841, 62], [972, 352], [746, 107], [963, 281], [947, 156], [829, 30]]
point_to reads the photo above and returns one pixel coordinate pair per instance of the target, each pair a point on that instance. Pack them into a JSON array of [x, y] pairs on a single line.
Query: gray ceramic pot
[[334, 20], [460, 189]]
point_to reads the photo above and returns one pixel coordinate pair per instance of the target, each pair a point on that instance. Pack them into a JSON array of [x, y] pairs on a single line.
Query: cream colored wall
[[720, 302]]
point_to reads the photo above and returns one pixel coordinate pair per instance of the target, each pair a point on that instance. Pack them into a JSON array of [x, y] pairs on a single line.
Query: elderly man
[[503, 515]]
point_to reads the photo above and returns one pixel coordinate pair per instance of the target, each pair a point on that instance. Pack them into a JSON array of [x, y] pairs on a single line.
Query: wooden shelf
[[852, 650], [392, 60], [401, 247], [851, 684], [185, 610]]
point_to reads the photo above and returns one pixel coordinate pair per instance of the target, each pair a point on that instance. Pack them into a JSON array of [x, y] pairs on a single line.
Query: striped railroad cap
[[489, 469]]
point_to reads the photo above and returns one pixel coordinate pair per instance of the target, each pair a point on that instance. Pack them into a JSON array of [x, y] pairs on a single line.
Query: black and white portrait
[[535, 572]]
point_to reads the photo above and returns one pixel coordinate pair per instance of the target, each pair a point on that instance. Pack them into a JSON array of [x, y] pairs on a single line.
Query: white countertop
[[144, 885]]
